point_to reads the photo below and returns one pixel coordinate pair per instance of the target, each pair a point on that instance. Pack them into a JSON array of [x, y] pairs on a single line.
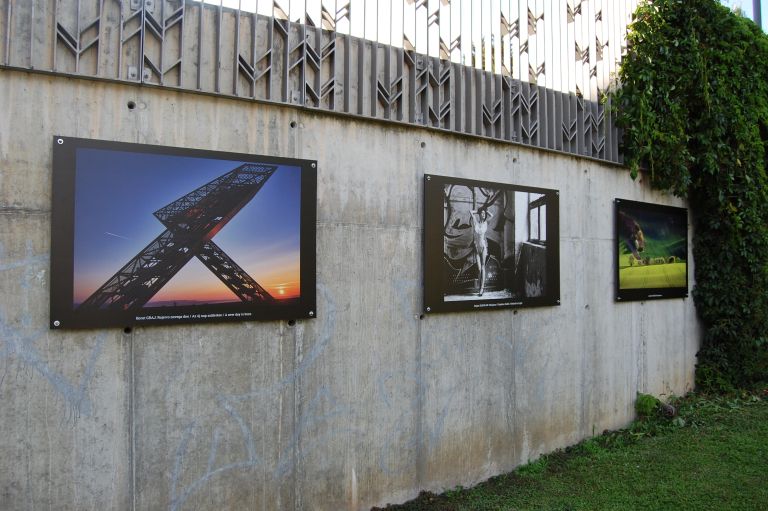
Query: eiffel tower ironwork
[[191, 223]]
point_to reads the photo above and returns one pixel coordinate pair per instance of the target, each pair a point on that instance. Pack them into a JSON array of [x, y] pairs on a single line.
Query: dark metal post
[[756, 15]]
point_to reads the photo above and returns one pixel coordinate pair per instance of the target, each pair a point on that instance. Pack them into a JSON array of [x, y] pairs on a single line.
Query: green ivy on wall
[[693, 104]]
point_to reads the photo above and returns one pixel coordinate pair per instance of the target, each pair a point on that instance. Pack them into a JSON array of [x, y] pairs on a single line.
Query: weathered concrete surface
[[63, 398], [368, 403]]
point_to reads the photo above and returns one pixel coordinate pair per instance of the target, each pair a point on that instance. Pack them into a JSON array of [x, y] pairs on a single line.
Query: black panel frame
[[671, 213], [435, 286], [63, 310]]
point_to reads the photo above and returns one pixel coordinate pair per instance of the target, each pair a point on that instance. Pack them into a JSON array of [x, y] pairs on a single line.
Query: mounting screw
[[146, 75], [314, 165], [57, 322], [59, 141], [311, 313], [133, 73], [429, 178], [429, 309]]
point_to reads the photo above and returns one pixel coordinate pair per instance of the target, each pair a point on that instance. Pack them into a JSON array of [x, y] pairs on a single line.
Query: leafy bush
[[693, 103], [646, 405]]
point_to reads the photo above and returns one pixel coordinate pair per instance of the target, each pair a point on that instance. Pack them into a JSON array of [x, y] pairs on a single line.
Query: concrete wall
[[368, 403]]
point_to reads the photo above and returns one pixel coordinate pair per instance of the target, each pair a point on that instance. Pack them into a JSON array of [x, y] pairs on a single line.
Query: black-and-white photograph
[[489, 245]]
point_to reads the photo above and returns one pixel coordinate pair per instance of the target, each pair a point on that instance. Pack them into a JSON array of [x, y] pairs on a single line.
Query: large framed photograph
[[489, 245], [651, 251], [151, 235]]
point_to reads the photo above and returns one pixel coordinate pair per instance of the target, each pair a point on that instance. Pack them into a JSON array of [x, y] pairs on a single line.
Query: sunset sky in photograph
[[117, 192]]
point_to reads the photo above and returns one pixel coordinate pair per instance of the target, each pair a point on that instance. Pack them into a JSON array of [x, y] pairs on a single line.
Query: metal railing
[[565, 45]]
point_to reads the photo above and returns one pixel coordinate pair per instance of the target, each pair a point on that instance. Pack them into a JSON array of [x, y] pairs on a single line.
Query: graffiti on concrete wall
[[23, 343]]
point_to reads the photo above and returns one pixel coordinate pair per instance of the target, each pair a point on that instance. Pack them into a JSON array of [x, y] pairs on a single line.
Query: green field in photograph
[[653, 276], [653, 249]]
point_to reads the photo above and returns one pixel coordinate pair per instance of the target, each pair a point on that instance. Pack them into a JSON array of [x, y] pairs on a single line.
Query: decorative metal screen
[[532, 72]]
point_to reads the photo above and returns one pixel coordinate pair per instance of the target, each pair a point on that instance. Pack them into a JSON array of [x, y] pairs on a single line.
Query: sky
[[658, 225], [746, 6], [116, 194]]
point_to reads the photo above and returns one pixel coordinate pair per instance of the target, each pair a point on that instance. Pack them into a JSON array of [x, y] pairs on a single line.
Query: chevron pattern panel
[[530, 72]]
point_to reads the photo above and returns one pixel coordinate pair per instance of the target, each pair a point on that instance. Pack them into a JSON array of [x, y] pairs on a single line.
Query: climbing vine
[[693, 104]]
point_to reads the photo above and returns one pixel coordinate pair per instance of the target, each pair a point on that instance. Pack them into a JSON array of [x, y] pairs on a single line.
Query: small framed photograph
[[489, 245], [151, 235], [651, 251]]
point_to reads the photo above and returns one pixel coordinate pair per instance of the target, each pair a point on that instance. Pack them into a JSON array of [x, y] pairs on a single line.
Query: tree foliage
[[693, 103]]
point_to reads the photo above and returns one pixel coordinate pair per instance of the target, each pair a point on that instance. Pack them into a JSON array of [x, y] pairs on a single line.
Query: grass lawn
[[654, 276], [712, 456]]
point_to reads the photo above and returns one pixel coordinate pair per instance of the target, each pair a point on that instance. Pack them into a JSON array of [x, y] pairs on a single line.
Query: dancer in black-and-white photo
[[480, 219]]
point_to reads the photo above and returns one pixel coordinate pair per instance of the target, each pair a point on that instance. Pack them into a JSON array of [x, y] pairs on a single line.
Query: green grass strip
[[712, 456]]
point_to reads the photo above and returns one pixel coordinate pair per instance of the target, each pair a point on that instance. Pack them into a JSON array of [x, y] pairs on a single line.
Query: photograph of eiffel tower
[[191, 221], [164, 237]]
